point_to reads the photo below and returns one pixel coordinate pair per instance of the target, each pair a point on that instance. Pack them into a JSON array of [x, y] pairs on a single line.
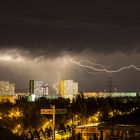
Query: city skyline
[[38, 41]]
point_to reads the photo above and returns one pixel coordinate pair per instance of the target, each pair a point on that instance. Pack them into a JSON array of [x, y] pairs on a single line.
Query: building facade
[[106, 94], [8, 98], [68, 89], [20, 95], [38, 88], [7, 88]]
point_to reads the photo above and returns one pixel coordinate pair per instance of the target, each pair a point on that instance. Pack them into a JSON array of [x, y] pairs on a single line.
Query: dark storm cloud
[[51, 27], [38, 37]]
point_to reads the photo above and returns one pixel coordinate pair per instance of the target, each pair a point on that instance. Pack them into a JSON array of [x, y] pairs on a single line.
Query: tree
[[6, 134]]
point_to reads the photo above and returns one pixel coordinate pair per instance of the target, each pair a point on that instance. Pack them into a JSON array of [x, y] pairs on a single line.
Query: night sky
[[38, 39]]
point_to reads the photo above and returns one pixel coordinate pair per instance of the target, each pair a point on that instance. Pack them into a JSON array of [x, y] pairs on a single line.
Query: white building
[[38, 88], [7, 88], [68, 88]]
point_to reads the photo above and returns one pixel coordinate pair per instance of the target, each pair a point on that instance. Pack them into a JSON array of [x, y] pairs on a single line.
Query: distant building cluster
[[38, 88], [113, 94]]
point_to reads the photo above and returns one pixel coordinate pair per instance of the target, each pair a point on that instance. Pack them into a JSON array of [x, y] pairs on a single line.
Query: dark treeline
[[112, 110]]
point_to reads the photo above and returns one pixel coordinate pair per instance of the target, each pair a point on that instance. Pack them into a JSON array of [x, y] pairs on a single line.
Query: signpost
[[53, 112], [53, 122], [47, 111]]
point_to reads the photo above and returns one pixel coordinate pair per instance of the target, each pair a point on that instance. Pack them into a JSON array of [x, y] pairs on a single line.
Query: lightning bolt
[[55, 85], [92, 66]]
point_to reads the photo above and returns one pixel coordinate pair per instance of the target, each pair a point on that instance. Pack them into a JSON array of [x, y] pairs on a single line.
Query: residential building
[[7, 88], [38, 88], [68, 89]]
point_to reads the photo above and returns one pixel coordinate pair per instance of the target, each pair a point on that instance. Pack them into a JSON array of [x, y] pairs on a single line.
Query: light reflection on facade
[[68, 89]]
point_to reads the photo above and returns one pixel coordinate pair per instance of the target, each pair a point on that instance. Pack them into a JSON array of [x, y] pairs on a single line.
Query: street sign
[[51, 111], [88, 134], [60, 111], [47, 111]]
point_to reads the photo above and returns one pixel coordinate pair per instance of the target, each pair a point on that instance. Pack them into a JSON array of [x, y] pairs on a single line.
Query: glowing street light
[[15, 113], [11, 114]]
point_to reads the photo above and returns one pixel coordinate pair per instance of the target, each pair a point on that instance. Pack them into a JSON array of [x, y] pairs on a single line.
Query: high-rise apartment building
[[38, 88], [7, 88], [68, 88]]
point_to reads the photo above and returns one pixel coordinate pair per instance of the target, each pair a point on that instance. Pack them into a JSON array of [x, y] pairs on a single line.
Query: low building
[[21, 95], [105, 94]]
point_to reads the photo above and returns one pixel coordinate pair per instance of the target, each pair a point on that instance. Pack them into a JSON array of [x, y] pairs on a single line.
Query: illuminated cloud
[[19, 67], [7, 57]]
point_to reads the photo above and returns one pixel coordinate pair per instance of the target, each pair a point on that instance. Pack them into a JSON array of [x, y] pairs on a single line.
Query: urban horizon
[[110, 88]]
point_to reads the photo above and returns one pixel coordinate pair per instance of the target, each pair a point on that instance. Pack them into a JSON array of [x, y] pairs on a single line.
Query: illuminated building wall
[[105, 94], [68, 88], [62, 88], [38, 88], [21, 95], [7, 88], [9, 98]]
